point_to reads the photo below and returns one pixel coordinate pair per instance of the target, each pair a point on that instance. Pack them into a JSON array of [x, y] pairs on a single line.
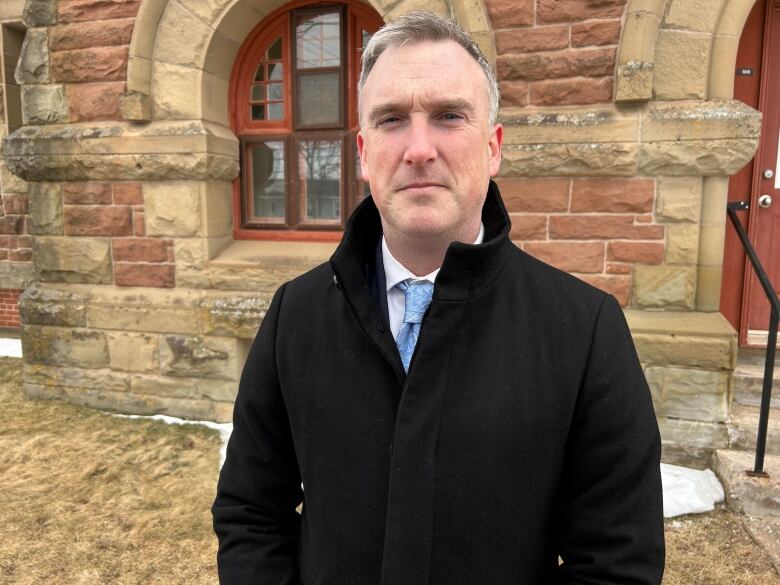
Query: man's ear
[[361, 146], [494, 144]]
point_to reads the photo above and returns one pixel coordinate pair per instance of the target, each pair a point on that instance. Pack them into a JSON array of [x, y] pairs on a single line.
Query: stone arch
[[167, 80]]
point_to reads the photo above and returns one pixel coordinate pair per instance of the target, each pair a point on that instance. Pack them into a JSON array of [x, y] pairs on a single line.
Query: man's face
[[425, 145]]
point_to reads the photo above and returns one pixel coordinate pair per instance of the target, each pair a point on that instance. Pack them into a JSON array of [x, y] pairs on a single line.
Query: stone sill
[[262, 254], [697, 324]]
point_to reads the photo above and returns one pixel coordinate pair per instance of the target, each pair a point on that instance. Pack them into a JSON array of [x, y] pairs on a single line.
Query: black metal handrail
[[771, 345]]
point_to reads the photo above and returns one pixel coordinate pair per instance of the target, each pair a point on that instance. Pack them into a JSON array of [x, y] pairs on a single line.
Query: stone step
[[749, 383], [743, 429], [766, 532], [752, 496]]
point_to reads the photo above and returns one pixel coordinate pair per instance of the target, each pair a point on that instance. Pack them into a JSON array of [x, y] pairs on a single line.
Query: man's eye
[[389, 120], [451, 116]]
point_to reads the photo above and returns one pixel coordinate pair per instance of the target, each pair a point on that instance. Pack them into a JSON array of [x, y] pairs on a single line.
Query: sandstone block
[[135, 107], [617, 285], [595, 33], [33, 66], [234, 316], [11, 183], [175, 92], [147, 317], [679, 199], [513, 93], [94, 64], [586, 227], [535, 195], [528, 227], [582, 159], [682, 245], [139, 223], [176, 24], [81, 348], [681, 65], [693, 15], [86, 34], [692, 120], [641, 252], [15, 203], [205, 357], [21, 255], [689, 393], [45, 202], [90, 10], [614, 195], [87, 193], [510, 13], [133, 352], [690, 433], [39, 13], [566, 92], [75, 260], [665, 287], [696, 157], [98, 221], [569, 256], [94, 101], [128, 194], [634, 82], [575, 126], [66, 377], [16, 274], [141, 250], [173, 209], [43, 305], [544, 66], [551, 11], [12, 224], [188, 389], [154, 275], [550, 38], [44, 104], [674, 348]]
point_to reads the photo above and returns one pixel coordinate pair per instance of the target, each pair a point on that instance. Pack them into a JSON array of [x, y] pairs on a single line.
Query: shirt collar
[[396, 272]]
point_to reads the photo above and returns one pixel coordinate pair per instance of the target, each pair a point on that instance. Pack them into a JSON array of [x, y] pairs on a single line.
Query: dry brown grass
[[87, 498], [90, 498]]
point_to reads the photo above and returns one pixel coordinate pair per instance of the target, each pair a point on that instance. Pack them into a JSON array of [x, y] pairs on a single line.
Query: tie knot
[[418, 294]]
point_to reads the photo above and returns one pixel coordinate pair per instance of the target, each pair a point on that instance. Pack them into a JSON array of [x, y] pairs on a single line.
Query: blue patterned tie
[[418, 295]]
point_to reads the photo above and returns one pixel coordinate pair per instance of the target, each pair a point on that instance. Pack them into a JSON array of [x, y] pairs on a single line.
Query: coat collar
[[467, 269]]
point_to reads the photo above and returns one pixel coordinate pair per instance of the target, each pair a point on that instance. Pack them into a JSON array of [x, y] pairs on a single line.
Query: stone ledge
[[121, 151]]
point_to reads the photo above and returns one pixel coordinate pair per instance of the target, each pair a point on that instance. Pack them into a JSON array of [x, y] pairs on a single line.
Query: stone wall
[[15, 242], [615, 166]]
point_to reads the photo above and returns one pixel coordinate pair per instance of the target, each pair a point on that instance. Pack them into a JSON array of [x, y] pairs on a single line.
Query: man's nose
[[421, 145]]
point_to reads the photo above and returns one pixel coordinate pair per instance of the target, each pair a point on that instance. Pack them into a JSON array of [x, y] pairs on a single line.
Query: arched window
[[294, 109]]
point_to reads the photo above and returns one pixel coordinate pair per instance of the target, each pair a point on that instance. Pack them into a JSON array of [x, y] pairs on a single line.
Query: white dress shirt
[[396, 272]]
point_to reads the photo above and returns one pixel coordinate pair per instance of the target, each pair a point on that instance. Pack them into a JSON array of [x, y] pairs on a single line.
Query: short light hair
[[419, 26]]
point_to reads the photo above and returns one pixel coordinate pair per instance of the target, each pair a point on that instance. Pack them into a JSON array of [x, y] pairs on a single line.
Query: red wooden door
[[765, 196]]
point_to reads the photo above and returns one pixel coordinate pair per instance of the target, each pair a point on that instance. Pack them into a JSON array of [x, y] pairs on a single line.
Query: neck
[[423, 255]]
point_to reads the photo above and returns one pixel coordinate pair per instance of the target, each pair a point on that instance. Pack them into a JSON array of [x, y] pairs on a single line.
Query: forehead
[[428, 68]]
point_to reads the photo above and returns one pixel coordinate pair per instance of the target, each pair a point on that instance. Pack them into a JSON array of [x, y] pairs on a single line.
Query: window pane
[[318, 42], [275, 91], [275, 71], [366, 191], [319, 167], [268, 179], [258, 112], [366, 37], [275, 50], [259, 75], [318, 98], [275, 111], [258, 93]]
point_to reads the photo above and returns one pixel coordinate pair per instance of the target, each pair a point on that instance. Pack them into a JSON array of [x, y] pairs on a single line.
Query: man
[[449, 410]]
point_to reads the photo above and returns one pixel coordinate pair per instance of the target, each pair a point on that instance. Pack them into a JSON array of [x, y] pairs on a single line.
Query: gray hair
[[418, 26]]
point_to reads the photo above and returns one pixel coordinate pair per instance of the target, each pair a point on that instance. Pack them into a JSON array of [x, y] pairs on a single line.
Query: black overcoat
[[524, 431]]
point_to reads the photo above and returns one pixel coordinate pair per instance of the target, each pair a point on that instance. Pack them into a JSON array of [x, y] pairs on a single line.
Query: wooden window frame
[[355, 17]]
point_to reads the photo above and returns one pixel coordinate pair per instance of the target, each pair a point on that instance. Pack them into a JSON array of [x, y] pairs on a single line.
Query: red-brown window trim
[[278, 23]]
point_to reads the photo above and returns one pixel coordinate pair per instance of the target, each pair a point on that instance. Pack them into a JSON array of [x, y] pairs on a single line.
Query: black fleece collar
[[467, 268]]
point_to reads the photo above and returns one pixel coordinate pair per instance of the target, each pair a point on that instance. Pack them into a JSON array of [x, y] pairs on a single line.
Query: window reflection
[[319, 169], [268, 179], [318, 41]]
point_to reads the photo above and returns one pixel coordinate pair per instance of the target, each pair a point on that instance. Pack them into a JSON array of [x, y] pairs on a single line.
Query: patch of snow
[[224, 429], [689, 491], [10, 347]]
